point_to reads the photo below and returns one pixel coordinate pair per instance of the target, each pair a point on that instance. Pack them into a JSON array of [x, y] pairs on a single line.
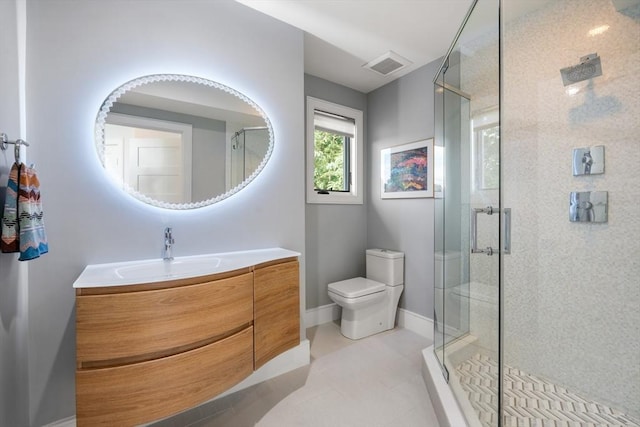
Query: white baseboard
[[323, 314], [417, 323], [66, 422], [292, 359], [406, 319]]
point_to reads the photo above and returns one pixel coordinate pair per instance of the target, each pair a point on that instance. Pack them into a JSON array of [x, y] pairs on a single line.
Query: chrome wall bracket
[[4, 140]]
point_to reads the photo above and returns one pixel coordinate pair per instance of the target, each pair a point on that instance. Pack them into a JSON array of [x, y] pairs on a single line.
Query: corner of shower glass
[[466, 304]]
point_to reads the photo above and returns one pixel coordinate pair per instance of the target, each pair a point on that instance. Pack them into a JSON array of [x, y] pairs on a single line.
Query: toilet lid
[[357, 287]]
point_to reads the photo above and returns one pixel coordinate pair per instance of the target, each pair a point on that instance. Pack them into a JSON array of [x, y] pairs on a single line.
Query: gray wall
[[13, 303], [336, 235], [78, 52], [402, 112]]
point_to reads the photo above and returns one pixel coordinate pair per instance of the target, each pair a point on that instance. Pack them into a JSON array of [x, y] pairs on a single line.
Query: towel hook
[[16, 150], [17, 143]]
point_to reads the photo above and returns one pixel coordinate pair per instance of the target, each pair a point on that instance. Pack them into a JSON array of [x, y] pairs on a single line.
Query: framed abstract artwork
[[406, 171]]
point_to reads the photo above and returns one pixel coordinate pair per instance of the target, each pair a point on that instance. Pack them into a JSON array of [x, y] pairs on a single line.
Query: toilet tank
[[448, 269], [385, 266]]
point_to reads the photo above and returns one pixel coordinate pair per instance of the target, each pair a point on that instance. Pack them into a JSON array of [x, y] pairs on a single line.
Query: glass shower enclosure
[[247, 149], [537, 261]]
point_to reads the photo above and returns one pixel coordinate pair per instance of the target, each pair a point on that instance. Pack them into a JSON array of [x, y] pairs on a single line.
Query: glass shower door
[[468, 216], [452, 146], [237, 160]]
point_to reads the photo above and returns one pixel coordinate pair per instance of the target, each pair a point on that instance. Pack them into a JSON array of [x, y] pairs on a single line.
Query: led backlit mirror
[[181, 142]]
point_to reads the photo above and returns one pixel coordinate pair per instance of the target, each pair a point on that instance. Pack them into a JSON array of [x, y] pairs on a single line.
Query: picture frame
[[406, 171]]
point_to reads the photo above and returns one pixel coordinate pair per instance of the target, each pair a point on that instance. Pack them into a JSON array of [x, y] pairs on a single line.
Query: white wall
[[402, 112], [13, 302], [77, 53]]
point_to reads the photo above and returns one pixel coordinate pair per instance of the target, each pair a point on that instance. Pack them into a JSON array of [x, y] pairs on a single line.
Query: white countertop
[[158, 270]]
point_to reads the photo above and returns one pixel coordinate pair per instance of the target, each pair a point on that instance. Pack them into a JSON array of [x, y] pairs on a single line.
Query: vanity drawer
[[146, 391], [130, 327]]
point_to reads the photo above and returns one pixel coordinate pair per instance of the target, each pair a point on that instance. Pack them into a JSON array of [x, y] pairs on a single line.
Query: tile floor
[[530, 400], [372, 382]]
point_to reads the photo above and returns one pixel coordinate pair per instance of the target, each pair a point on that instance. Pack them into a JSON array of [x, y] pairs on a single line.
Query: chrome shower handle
[[489, 210], [506, 240]]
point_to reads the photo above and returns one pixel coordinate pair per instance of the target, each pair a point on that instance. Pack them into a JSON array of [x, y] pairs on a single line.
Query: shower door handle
[[489, 210], [506, 240]]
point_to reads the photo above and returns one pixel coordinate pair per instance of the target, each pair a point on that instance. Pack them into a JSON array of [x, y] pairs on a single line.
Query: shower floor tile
[[530, 401]]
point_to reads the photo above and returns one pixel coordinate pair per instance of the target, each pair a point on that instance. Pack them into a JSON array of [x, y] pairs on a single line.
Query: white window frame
[[356, 188], [480, 122]]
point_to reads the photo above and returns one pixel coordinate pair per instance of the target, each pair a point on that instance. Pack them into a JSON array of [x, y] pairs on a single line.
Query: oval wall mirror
[[181, 142]]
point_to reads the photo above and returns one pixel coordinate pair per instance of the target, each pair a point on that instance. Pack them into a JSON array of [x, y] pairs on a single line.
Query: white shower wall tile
[[570, 290], [571, 293]]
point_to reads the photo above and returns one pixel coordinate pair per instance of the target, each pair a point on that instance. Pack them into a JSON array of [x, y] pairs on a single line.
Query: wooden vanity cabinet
[[137, 393], [277, 310], [133, 326], [149, 351]]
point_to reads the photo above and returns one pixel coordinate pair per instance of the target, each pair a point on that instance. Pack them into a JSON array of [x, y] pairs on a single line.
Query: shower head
[[588, 68]]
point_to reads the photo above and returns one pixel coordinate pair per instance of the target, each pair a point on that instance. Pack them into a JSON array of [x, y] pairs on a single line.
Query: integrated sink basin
[[158, 270], [190, 266]]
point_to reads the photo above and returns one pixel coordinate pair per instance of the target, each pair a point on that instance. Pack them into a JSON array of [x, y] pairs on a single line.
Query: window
[[334, 153], [486, 149]]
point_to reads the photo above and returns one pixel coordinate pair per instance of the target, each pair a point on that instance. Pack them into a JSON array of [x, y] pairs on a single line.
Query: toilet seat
[[357, 287]]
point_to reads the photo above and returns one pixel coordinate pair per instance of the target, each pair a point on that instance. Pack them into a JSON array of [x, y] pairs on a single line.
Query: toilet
[[448, 276], [369, 304]]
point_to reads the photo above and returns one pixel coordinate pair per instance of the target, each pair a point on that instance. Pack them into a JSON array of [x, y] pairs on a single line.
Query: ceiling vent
[[388, 63]]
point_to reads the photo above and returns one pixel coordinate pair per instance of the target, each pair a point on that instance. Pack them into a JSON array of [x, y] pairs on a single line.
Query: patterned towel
[[22, 225], [9, 241]]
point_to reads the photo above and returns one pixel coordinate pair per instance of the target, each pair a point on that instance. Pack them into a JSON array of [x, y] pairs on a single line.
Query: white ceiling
[[343, 35]]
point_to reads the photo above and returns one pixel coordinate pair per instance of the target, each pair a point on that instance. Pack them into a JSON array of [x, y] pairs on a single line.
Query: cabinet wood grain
[[137, 393], [146, 352], [147, 324], [277, 310]]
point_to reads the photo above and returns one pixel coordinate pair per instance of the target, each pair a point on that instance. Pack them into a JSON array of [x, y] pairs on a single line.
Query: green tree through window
[[334, 154], [329, 167]]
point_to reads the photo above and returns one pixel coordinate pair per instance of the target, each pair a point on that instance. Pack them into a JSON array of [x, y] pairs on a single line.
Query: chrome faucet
[[168, 245]]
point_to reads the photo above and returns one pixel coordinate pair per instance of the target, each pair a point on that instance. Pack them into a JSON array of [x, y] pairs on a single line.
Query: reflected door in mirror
[[153, 162]]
